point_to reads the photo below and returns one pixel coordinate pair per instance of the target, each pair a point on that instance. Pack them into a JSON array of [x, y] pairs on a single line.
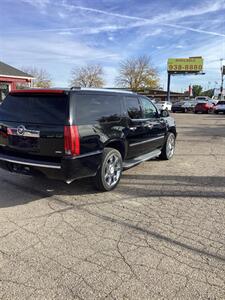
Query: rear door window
[[133, 107], [95, 108], [42, 109]]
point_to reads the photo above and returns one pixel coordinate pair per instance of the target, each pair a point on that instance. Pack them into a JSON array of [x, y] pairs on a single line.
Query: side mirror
[[164, 113]]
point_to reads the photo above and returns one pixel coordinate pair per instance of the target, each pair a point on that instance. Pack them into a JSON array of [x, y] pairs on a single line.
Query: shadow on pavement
[[19, 190], [28, 189]]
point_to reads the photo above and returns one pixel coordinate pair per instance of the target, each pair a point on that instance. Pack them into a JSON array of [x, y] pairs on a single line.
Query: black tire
[[101, 181], [165, 155], [216, 112], [210, 111]]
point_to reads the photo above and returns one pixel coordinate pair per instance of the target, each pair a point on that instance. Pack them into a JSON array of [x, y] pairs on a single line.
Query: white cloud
[[62, 15], [40, 4], [59, 49], [171, 16], [111, 38], [118, 21], [179, 46], [195, 30], [154, 32], [98, 11], [65, 32], [204, 8]]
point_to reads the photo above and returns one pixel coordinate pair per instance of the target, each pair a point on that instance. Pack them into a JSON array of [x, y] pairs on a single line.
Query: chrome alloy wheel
[[170, 146], [112, 170]]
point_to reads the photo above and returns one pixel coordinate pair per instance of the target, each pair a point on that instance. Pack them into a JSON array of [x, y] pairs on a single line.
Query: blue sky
[[58, 35]]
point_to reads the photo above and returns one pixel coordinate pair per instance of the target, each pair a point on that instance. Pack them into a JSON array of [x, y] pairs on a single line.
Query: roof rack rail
[[106, 90], [75, 88]]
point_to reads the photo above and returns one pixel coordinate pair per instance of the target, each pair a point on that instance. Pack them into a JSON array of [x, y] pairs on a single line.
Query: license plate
[[27, 143]]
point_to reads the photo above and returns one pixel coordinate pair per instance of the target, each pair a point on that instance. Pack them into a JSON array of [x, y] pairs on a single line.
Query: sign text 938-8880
[[185, 65]]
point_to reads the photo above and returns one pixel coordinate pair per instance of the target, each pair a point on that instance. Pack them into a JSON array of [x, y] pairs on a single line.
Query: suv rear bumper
[[69, 169]]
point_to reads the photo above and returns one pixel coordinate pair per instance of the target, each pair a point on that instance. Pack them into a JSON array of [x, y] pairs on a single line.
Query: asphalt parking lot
[[159, 235]]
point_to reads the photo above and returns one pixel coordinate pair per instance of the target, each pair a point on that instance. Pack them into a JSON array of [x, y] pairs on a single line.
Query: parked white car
[[164, 105]]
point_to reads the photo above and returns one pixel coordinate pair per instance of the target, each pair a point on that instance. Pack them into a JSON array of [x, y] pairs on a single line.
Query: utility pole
[[168, 86], [222, 74]]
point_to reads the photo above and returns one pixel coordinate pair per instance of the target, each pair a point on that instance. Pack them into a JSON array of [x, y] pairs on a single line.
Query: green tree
[[196, 90], [137, 74], [208, 93]]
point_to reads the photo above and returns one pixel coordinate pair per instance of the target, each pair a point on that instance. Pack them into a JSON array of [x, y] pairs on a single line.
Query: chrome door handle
[[149, 126]]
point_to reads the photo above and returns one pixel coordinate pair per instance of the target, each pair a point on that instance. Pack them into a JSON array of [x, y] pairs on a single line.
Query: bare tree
[[42, 77], [88, 76], [137, 74]]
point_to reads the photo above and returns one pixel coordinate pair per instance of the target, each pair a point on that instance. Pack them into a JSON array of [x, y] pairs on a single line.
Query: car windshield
[[221, 103], [202, 102], [201, 98]]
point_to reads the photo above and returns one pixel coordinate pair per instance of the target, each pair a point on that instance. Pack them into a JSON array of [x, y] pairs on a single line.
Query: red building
[[11, 78]]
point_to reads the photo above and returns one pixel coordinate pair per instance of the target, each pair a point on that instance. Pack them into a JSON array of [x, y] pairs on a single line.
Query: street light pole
[[221, 89], [168, 86], [222, 73]]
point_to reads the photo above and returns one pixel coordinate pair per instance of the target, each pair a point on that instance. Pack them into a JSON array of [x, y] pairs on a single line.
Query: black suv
[[73, 133]]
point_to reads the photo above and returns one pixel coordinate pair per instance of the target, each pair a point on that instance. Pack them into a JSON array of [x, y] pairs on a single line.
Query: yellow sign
[[191, 64]]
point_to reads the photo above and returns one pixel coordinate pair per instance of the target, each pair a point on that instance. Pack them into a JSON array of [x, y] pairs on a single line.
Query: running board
[[137, 160]]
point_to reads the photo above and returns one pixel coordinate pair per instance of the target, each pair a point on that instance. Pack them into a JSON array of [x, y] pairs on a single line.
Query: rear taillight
[[71, 140]]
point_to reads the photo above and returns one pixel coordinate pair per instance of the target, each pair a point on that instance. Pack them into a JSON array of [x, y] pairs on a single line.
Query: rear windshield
[[43, 109], [95, 108], [221, 103]]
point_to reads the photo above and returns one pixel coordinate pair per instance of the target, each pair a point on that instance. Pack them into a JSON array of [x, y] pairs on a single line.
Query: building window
[[4, 90]]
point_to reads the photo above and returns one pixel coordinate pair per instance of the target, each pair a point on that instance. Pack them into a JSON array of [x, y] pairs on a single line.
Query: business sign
[[185, 65]]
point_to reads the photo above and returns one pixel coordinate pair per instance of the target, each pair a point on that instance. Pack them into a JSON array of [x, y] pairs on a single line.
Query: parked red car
[[203, 107]]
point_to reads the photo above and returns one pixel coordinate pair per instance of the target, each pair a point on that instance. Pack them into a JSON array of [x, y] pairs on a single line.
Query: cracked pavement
[[159, 235]]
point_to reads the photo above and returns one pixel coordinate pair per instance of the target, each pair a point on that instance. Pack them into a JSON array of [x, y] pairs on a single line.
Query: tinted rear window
[[94, 108], [133, 107], [42, 109]]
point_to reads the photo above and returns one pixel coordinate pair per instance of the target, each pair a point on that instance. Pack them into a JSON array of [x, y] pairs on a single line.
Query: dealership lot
[[159, 235]]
